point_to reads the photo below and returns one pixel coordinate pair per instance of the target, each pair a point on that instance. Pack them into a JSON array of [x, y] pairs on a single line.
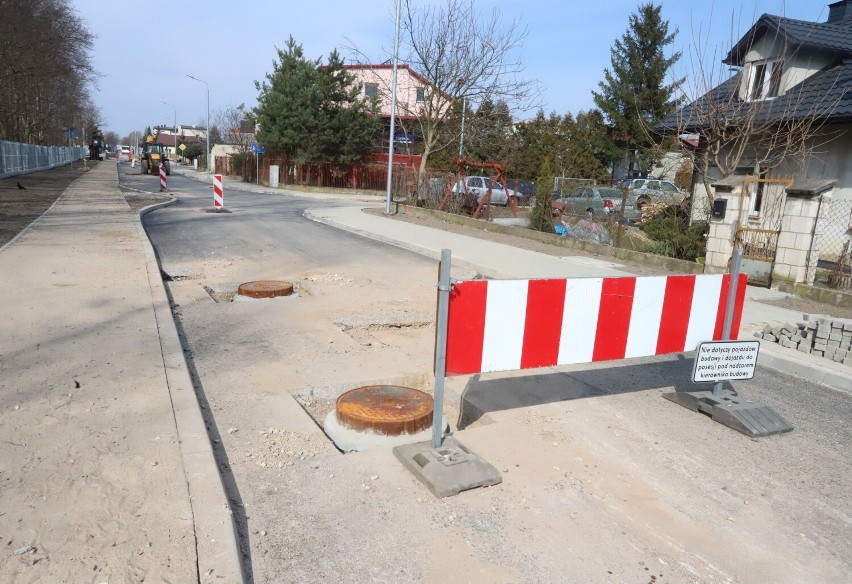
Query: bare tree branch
[[762, 120], [461, 54]]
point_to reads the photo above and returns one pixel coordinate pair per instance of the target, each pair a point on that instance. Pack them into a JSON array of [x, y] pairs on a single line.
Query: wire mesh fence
[[562, 185], [831, 252], [17, 158]]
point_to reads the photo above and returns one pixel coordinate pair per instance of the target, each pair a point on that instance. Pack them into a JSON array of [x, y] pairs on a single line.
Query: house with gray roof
[[781, 124]]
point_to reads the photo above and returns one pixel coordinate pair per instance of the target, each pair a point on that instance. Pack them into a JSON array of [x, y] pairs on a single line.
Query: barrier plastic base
[[448, 470], [745, 416]]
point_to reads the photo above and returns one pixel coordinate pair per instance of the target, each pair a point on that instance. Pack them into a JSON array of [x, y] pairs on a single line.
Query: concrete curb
[[775, 357], [217, 545], [623, 254], [825, 295]]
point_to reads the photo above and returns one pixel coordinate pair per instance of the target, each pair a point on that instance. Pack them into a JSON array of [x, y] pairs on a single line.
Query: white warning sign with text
[[722, 360]]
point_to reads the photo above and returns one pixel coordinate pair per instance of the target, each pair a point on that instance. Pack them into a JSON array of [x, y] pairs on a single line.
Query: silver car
[[477, 186], [601, 202], [653, 189]]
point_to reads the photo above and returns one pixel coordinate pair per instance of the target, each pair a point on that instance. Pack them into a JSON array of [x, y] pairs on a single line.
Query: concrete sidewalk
[[106, 471]]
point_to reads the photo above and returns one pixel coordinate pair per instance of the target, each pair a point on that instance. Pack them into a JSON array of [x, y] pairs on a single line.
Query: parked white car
[[477, 186]]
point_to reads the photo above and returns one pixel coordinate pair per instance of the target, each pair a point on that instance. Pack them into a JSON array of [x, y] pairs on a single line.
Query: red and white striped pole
[[218, 196], [162, 177]]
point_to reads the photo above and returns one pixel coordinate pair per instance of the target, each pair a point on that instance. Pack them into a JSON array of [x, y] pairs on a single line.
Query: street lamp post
[[393, 111], [175, 134], [208, 118]]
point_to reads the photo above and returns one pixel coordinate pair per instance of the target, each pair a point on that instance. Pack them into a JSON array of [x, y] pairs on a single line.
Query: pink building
[[377, 80], [412, 95]]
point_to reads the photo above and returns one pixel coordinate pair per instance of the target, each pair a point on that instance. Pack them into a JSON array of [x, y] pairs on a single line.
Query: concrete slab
[[448, 470], [349, 440]]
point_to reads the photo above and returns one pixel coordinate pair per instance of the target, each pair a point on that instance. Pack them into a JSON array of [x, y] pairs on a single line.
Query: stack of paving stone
[[818, 335]]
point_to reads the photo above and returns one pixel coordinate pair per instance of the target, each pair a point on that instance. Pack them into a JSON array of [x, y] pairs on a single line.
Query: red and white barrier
[[503, 325], [162, 177], [218, 195]]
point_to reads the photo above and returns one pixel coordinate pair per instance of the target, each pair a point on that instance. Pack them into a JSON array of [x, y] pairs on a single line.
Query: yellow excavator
[[152, 155]]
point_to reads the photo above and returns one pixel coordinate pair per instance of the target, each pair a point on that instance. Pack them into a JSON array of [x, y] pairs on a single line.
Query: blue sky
[[144, 55]]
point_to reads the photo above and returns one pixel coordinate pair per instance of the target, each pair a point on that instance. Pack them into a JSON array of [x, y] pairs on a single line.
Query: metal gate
[[759, 225]]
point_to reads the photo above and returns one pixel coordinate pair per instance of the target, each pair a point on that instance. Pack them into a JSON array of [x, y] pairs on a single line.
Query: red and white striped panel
[[218, 196], [504, 325], [162, 177]]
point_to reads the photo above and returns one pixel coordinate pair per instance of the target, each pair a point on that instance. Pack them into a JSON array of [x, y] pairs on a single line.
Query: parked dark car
[[525, 190]]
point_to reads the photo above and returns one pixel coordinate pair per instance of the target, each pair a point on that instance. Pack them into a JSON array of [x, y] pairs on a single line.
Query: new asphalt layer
[[89, 257]]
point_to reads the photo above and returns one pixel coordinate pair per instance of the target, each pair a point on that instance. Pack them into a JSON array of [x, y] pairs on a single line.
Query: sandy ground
[[92, 484], [603, 480]]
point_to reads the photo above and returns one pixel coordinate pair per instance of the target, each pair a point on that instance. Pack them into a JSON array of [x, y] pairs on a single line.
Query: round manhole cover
[[265, 289], [386, 409]]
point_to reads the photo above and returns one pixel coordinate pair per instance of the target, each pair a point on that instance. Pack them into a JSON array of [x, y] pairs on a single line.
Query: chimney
[[840, 13]]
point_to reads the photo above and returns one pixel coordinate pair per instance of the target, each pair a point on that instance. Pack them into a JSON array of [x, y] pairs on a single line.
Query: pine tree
[[542, 213], [488, 135], [540, 139], [634, 96], [307, 112], [347, 129], [591, 148]]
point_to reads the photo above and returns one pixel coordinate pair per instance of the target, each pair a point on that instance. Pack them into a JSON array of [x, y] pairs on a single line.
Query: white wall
[[800, 67]]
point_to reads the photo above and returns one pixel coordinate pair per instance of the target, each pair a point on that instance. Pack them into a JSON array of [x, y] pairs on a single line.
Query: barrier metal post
[[444, 288], [736, 261]]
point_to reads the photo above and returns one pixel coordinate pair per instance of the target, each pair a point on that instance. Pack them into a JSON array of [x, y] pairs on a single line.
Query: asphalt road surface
[[603, 479]]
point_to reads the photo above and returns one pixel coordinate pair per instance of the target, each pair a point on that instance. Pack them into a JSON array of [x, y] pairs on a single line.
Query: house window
[[421, 95], [371, 89], [765, 79]]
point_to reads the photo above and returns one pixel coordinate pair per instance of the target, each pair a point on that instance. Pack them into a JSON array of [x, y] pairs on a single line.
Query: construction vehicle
[[153, 155]]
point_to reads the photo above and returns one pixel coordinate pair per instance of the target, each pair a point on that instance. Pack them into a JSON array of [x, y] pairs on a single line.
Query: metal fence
[[831, 252], [17, 158]]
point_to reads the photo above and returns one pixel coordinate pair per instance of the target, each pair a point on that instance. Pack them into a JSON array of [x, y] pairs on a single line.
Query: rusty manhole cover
[[386, 409], [265, 289]]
